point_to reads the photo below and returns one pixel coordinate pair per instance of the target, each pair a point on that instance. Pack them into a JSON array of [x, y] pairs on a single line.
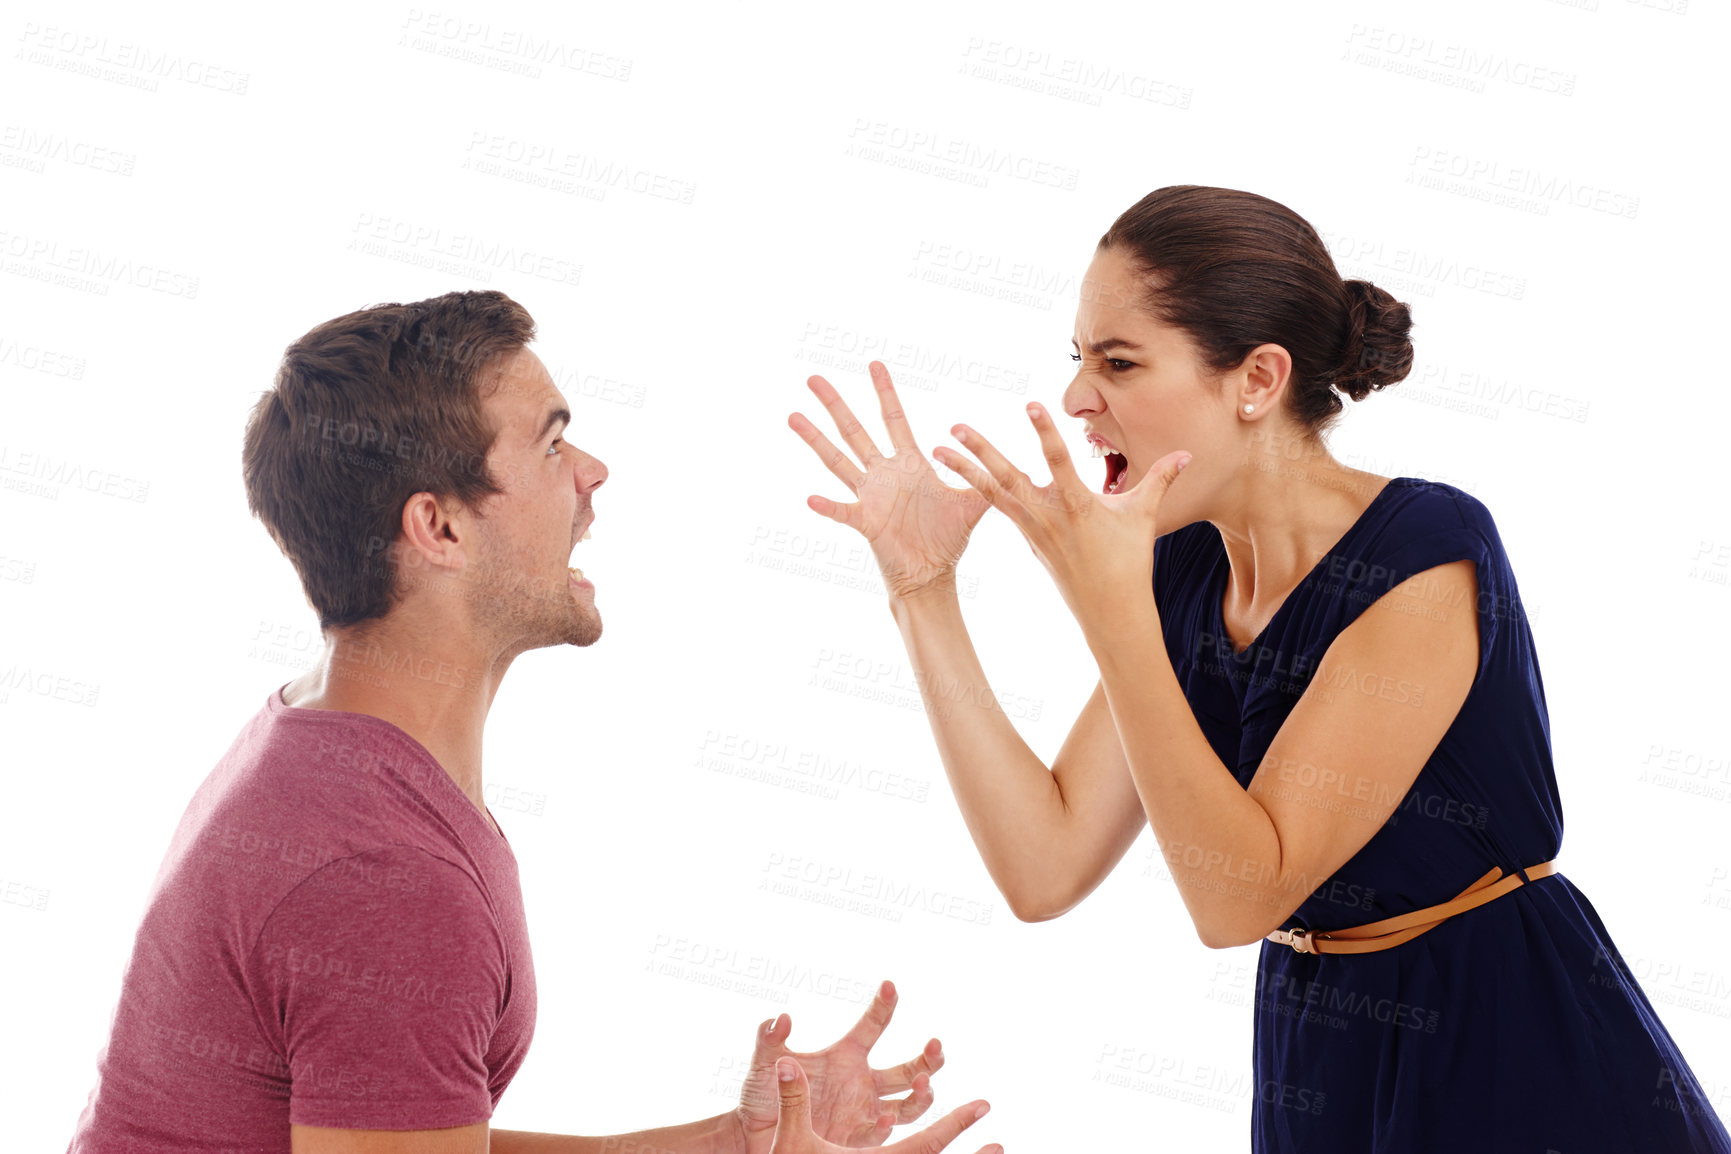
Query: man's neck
[[434, 692]]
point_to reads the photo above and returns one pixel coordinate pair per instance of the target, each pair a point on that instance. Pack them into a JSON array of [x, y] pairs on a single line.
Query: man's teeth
[[587, 533]]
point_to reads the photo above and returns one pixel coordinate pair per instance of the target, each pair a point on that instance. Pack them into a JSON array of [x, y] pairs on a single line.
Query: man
[[334, 959]]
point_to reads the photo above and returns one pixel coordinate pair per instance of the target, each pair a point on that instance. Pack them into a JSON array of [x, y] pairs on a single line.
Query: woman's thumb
[[1160, 479]]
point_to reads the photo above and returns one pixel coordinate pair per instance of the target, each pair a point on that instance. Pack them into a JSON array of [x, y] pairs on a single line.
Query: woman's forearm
[[1009, 799], [1221, 846]]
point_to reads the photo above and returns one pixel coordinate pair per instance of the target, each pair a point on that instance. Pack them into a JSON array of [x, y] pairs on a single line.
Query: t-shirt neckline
[[280, 708]]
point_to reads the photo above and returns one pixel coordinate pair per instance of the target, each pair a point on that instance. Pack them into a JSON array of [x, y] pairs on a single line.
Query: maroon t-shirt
[[335, 938]]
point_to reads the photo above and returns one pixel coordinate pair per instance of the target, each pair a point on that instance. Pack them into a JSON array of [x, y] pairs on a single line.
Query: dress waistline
[[1404, 927]]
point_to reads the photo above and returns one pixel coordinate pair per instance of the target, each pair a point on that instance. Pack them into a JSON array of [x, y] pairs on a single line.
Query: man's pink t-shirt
[[335, 938]]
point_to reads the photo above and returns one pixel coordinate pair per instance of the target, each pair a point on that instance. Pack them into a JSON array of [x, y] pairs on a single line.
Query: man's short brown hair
[[367, 410]]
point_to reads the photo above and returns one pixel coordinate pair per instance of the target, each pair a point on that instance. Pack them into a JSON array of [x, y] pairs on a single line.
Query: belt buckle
[[1299, 940]]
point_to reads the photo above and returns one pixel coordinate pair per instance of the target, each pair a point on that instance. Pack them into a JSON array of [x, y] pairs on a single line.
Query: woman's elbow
[[1031, 911], [1039, 905], [1227, 935]]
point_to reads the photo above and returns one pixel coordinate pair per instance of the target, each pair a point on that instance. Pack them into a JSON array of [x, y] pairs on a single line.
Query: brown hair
[[1235, 270], [367, 410]]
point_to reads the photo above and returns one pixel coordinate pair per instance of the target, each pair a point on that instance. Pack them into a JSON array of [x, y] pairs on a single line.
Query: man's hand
[[847, 1105], [793, 1134]]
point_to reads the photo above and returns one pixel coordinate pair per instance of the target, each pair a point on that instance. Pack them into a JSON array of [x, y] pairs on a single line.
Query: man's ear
[[432, 533]]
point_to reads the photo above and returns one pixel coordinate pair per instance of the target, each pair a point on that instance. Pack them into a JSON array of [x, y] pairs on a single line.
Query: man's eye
[[554, 447]]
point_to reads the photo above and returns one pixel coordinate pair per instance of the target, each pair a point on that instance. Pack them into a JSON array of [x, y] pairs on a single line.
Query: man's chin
[[583, 628]]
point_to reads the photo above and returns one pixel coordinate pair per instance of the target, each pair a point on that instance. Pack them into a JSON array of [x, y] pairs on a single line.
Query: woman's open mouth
[[1115, 466]]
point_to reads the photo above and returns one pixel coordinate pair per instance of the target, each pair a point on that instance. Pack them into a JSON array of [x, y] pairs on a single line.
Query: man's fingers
[[942, 1132], [870, 1026], [898, 1078], [886, 1122], [771, 1035], [911, 1107]]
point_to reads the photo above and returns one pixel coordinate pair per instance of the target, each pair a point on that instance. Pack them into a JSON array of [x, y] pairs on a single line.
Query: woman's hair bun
[[1377, 349]]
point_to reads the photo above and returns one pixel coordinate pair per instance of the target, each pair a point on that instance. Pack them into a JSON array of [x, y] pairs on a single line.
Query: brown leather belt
[[1404, 927]]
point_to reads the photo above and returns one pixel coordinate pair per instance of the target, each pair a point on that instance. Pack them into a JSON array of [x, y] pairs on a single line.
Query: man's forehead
[[524, 389]]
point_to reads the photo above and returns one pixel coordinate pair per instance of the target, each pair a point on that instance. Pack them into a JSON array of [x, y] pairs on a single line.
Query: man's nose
[[590, 471]]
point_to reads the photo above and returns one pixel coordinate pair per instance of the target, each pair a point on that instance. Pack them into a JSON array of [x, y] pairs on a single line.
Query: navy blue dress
[[1515, 1026]]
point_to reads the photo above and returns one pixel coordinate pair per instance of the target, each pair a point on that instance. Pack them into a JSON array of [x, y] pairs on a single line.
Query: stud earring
[[1250, 408]]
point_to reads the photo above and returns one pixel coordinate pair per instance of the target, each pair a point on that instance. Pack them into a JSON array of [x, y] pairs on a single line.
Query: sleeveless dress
[[1515, 1026]]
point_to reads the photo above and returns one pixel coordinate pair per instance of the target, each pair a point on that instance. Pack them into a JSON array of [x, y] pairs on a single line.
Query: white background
[[206, 188]]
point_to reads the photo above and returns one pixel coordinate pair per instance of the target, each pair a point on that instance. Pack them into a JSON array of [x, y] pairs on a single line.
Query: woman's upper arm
[[1386, 690], [1103, 813]]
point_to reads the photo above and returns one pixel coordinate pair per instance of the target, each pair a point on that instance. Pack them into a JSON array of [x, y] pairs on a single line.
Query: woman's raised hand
[[917, 525]]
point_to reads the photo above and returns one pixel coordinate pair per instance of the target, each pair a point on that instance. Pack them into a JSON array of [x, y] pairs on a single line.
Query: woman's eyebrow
[[1110, 343]]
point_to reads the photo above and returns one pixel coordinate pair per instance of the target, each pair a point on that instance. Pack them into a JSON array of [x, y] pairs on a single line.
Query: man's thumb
[[795, 1098]]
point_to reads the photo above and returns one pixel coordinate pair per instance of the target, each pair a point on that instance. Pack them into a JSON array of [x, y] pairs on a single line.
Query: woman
[[1330, 709]]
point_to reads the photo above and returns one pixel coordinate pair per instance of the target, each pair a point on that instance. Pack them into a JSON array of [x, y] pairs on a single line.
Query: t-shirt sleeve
[[381, 979]]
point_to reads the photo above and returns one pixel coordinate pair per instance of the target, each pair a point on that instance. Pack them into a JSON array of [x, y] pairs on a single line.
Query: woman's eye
[[1117, 365]]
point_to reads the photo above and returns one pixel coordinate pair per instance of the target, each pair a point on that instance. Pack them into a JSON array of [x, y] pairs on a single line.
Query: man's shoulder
[[288, 800]]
